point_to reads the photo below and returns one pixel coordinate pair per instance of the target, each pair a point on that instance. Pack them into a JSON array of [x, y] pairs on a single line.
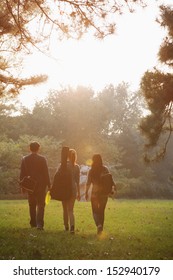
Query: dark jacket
[[35, 165], [94, 180]]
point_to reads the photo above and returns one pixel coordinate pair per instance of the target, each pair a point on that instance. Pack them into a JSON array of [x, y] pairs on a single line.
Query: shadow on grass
[[31, 244]]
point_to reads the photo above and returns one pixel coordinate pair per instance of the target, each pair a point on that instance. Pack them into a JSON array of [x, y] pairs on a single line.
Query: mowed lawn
[[134, 229]]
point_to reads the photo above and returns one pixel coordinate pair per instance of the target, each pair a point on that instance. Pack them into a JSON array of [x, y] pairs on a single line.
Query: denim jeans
[[36, 209], [98, 203]]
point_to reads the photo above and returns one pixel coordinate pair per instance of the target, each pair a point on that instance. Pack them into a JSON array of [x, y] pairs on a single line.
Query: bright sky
[[124, 56]]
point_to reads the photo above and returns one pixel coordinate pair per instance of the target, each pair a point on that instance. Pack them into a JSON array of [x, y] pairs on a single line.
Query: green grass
[[134, 229]]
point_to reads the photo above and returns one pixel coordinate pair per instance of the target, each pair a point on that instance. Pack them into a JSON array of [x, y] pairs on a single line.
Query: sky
[[124, 56]]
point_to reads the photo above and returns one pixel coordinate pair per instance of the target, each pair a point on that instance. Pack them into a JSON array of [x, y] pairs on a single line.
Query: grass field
[[134, 229]]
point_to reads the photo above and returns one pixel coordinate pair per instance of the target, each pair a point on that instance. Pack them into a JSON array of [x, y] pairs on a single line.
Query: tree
[[29, 24], [157, 88], [12, 43], [123, 110], [75, 116]]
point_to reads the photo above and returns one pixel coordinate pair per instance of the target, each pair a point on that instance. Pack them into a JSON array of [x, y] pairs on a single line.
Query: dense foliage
[[157, 88], [90, 122]]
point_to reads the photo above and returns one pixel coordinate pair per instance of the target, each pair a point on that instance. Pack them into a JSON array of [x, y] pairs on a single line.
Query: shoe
[[72, 230], [99, 229], [66, 228], [40, 228], [33, 226]]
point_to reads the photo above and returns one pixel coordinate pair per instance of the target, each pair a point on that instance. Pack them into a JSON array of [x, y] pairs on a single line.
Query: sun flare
[[90, 62]]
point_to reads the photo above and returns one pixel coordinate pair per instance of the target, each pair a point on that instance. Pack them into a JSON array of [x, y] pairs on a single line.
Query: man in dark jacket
[[35, 165]]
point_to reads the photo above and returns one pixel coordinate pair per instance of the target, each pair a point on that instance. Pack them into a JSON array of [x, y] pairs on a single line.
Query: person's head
[[34, 147], [72, 156], [97, 161], [96, 167]]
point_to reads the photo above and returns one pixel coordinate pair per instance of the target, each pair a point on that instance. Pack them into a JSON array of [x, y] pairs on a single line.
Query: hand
[[113, 193]]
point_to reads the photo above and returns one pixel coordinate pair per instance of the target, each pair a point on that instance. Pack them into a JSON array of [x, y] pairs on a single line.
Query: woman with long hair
[[68, 205], [98, 200]]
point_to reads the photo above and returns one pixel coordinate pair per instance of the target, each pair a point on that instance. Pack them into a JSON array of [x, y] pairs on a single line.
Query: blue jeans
[[36, 209], [98, 203]]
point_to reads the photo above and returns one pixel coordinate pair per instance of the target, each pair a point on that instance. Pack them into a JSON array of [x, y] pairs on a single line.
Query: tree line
[[106, 122]]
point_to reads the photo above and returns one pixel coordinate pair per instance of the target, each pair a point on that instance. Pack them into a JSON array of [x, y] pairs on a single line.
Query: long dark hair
[[96, 167]]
